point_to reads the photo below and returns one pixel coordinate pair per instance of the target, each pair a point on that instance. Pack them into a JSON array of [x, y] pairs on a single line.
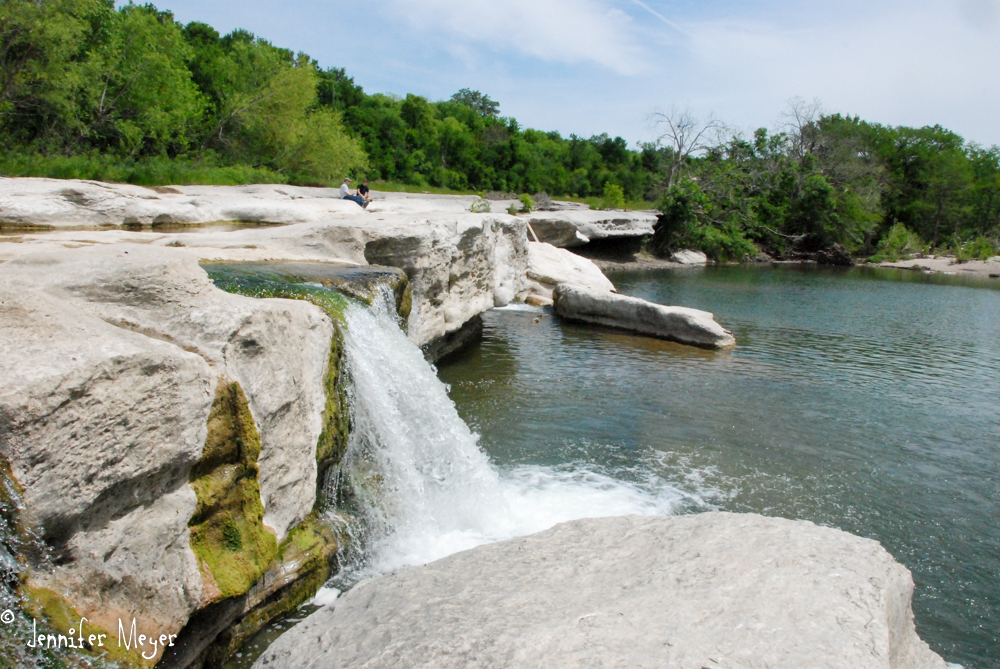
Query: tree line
[[130, 94], [828, 179]]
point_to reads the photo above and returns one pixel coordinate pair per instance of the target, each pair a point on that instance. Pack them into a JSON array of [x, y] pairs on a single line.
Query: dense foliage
[[86, 88], [129, 94], [832, 180]]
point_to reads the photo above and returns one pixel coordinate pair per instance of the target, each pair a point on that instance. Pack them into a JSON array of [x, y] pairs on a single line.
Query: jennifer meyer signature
[[128, 639]]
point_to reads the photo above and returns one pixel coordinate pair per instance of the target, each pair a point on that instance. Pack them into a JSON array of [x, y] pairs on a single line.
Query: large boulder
[[681, 324], [689, 257], [459, 266], [708, 590], [141, 410], [549, 266]]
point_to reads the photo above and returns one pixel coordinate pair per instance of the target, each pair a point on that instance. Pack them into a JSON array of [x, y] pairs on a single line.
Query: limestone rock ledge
[[567, 229], [459, 264], [713, 590], [681, 324], [113, 359]]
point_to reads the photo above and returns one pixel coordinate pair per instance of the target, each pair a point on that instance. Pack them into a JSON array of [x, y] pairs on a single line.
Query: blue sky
[[592, 66]]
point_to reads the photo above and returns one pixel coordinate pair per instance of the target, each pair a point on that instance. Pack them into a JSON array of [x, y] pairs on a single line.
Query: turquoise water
[[867, 400]]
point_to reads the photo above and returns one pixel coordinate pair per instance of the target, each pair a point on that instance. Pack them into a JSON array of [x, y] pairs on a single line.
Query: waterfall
[[422, 487]]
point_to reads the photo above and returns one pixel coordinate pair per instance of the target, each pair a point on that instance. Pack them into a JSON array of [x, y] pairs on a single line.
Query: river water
[[867, 400]]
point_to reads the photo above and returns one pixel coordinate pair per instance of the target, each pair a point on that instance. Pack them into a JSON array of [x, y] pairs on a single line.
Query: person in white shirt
[[345, 193]]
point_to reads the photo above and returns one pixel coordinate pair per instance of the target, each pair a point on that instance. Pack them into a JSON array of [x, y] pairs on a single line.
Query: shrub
[[686, 223], [513, 210], [898, 244], [480, 206], [527, 204], [543, 202], [614, 196], [979, 248]]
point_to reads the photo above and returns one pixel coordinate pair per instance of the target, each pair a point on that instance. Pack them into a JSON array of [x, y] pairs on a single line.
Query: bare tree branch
[[686, 135]]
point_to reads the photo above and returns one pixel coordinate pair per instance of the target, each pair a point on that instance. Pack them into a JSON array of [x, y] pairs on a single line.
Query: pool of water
[[867, 400]]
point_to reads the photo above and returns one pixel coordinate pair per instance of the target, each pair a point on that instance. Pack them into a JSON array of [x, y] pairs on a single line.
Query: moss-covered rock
[[55, 616], [227, 531], [359, 282], [305, 561], [336, 420]]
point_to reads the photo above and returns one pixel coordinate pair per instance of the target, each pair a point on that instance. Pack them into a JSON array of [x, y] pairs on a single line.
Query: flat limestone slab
[[567, 229], [681, 324], [713, 590]]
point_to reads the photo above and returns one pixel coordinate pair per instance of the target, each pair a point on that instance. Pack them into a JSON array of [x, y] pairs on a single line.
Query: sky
[[591, 66]]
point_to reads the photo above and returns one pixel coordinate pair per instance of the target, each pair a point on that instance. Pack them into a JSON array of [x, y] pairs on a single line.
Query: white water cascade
[[422, 486]]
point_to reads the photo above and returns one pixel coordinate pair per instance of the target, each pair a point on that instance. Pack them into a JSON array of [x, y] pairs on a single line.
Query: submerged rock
[[706, 590], [681, 324]]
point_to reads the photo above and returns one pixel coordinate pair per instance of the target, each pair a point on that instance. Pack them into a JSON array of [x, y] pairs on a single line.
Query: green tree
[[477, 101]]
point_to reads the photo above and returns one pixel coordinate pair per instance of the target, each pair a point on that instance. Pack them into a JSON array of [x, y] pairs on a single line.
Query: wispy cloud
[[675, 26], [565, 31]]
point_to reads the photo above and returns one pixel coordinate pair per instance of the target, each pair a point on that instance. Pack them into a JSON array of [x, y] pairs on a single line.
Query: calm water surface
[[867, 400]]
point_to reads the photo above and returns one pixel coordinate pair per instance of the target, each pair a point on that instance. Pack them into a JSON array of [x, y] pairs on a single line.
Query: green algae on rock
[[227, 530], [296, 280]]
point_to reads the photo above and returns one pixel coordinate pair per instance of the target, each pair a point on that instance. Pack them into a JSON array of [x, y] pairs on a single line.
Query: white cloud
[[915, 63], [565, 31]]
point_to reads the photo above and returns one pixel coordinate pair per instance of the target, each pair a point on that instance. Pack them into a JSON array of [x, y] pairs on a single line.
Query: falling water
[[421, 485]]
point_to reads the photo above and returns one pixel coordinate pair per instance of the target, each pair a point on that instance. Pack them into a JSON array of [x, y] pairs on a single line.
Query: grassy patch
[[146, 172]]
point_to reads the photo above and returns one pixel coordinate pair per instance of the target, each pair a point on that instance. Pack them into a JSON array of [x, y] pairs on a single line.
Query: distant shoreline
[[939, 265]]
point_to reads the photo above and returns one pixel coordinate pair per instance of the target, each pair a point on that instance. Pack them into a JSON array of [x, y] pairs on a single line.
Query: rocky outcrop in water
[[549, 266], [709, 590], [689, 257], [681, 324]]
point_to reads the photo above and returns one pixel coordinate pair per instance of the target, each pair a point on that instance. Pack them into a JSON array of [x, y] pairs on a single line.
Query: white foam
[[520, 306], [325, 596], [424, 488]]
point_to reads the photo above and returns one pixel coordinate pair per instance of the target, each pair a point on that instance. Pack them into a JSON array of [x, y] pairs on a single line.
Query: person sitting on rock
[[364, 192], [345, 193]]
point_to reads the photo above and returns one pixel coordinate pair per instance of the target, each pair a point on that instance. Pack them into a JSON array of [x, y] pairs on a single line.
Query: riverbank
[[949, 265]]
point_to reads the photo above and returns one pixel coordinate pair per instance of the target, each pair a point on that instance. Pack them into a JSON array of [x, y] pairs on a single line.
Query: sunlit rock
[[549, 266], [689, 257], [575, 228], [112, 359], [707, 590], [681, 324]]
